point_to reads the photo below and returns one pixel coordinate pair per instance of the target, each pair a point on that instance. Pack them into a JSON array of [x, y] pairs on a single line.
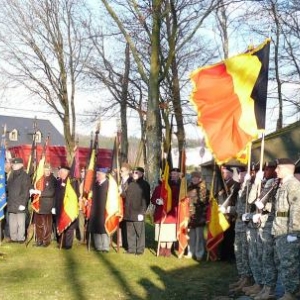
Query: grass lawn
[[77, 274]]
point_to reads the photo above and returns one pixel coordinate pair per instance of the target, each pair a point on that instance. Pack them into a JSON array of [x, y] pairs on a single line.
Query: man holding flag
[[43, 216], [66, 209], [97, 219]]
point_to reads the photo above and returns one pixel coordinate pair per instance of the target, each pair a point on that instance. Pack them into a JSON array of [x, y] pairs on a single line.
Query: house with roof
[[19, 135]]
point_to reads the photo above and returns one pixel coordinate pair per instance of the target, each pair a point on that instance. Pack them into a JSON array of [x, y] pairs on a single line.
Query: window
[[13, 135], [38, 137]]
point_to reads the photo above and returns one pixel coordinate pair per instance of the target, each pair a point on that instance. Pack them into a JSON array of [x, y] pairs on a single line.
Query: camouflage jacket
[[287, 208]]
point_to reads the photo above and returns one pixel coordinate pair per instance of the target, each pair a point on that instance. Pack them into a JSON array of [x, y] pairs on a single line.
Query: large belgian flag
[[230, 99]]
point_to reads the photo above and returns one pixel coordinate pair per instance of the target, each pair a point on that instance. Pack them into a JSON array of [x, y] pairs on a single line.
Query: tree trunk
[[153, 133], [123, 106], [276, 60], [178, 110]]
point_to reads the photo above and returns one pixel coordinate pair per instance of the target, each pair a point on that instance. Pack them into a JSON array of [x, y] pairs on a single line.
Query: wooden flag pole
[[61, 240], [89, 241]]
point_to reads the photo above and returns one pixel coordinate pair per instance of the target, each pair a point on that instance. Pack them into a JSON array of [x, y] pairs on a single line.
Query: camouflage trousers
[[241, 254], [255, 254], [287, 258], [269, 270]]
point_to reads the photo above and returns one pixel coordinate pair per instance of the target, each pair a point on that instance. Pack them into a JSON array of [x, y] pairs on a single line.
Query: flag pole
[[211, 195], [61, 240], [162, 220], [262, 149], [118, 182], [162, 167], [248, 172]]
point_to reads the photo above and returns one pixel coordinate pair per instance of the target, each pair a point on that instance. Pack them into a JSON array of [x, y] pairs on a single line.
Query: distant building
[[19, 137], [20, 131]]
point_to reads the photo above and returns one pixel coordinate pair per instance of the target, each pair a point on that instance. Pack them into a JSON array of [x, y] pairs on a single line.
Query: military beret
[[17, 160], [284, 161], [227, 168], [140, 169], [270, 164], [241, 169], [102, 170]]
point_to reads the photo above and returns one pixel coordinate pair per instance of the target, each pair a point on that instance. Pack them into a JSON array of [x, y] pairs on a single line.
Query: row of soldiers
[[267, 231]]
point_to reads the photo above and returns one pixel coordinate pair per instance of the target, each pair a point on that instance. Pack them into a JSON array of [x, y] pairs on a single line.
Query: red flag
[[113, 207], [166, 192], [225, 99], [39, 178], [38, 184], [89, 176], [69, 208]]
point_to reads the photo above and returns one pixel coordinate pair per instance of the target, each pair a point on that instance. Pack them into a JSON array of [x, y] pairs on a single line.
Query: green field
[[78, 274]]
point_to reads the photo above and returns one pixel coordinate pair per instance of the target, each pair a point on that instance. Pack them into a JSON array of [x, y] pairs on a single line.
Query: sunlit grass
[[50, 273]]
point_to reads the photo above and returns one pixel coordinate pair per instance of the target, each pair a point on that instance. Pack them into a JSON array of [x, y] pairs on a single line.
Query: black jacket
[[47, 199], [97, 219], [18, 186], [137, 199]]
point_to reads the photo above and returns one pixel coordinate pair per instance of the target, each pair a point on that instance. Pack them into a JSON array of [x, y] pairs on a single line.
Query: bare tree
[[162, 49], [43, 48]]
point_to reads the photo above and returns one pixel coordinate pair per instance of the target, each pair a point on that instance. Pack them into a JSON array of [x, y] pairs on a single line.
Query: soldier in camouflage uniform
[[254, 247], [265, 207], [286, 227], [240, 239]]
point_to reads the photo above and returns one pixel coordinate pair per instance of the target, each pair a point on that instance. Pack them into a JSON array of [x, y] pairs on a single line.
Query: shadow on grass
[[204, 281], [171, 278], [71, 274]]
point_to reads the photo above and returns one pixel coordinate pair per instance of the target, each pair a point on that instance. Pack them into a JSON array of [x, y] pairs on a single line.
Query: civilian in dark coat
[[137, 201], [97, 218], [43, 218], [18, 186], [126, 178]]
